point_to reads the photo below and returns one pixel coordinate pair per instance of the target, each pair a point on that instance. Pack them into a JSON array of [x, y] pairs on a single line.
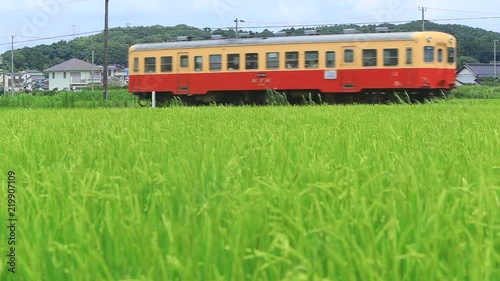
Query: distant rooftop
[[73, 65], [482, 69], [31, 71]]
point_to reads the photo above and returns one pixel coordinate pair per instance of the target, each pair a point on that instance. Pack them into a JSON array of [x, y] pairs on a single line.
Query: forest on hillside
[[474, 44]]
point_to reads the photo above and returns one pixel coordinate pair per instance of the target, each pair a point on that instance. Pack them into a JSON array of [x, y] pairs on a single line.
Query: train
[[334, 67]]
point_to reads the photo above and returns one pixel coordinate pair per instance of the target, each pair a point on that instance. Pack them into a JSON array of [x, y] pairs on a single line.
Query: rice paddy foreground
[[366, 192]]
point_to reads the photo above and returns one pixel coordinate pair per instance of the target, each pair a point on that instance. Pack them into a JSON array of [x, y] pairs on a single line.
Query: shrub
[[477, 92]]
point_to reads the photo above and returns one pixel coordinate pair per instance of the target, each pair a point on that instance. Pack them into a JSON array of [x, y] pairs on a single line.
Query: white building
[[475, 73], [9, 80], [32, 79], [73, 74]]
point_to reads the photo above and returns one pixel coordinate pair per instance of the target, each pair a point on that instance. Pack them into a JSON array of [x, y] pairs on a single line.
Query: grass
[[366, 192], [83, 99], [477, 92], [122, 98]]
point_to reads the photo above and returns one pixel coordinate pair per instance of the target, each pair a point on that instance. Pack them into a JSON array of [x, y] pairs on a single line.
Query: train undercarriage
[[302, 97]]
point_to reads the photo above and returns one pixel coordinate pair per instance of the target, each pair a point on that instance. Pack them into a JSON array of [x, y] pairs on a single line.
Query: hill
[[474, 44]]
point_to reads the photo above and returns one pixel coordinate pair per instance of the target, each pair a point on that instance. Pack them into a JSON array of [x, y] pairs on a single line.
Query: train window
[[252, 61], [440, 55], [166, 64], [370, 57], [136, 64], [409, 56], [390, 57], [330, 59], [292, 59], [233, 62], [215, 62], [184, 61], [150, 64], [451, 55], [273, 60], [349, 56], [429, 54], [311, 59], [198, 63]]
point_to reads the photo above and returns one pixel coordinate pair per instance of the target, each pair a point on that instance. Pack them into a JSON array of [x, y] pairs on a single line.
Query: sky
[[29, 21]]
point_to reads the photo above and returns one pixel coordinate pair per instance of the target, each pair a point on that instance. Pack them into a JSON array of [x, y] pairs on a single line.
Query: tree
[[465, 59], [474, 44]]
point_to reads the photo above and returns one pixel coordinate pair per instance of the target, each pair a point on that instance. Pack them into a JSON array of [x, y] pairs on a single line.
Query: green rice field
[[338, 193]]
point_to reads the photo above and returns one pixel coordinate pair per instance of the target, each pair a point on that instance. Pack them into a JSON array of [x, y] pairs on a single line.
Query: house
[[474, 73], [117, 75], [9, 80], [2, 81], [73, 74], [33, 79]]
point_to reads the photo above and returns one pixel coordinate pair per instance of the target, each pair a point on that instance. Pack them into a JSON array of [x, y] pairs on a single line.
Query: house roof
[[30, 71], [37, 77], [481, 69], [73, 65]]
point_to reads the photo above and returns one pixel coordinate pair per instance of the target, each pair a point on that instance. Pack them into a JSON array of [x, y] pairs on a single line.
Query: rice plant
[[368, 192], [84, 99]]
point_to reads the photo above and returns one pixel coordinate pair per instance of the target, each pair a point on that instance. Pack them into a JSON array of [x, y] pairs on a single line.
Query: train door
[[441, 62], [409, 63], [182, 69], [348, 66]]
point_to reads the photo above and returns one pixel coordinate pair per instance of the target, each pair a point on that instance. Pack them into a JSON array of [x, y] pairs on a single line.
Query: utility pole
[[73, 28], [12, 68], [495, 59], [3, 83], [237, 21], [105, 68], [423, 9], [92, 76]]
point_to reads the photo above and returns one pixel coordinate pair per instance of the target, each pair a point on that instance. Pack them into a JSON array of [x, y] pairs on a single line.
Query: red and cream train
[[338, 65]]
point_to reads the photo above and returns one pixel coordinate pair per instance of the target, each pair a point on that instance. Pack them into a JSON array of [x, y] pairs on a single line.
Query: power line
[[54, 37], [255, 27], [469, 12], [29, 37], [460, 19], [362, 23]]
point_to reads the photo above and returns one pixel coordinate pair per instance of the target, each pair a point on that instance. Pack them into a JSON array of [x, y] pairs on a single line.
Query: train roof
[[358, 37]]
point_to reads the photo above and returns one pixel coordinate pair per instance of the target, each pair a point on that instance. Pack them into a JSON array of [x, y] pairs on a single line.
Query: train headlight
[[429, 38]]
